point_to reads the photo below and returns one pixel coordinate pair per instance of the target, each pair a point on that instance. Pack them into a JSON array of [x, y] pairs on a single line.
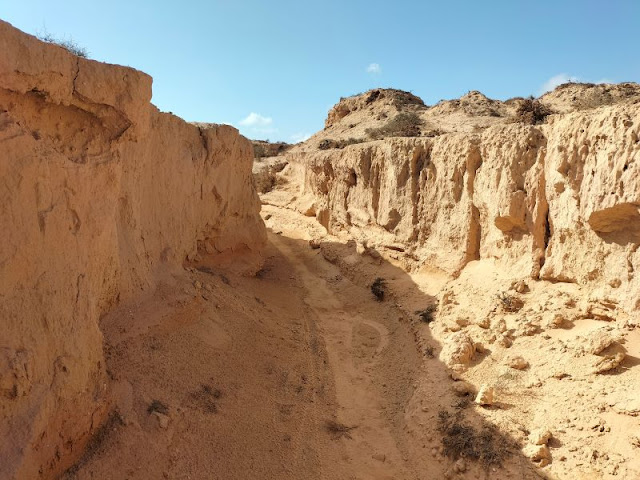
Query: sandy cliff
[[520, 221], [556, 200], [101, 195]]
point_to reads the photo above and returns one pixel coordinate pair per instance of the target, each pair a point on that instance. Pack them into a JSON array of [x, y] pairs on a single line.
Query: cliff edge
[[101, 196]]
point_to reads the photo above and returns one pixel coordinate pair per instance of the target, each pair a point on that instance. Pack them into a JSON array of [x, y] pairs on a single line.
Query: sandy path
[[245, 373], [355, 339]]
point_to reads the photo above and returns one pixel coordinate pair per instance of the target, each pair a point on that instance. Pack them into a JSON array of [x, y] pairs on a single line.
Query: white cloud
[[300, 137], [605, 80], [255, 120], [374, 68], [556, 81]]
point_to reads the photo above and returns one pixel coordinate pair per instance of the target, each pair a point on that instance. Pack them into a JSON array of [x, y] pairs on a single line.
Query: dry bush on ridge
[[402, 125], [328, 143], [70, 45], [532, 112]]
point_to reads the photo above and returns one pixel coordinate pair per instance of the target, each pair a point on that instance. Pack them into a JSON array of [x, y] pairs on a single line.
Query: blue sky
[[274, 68]]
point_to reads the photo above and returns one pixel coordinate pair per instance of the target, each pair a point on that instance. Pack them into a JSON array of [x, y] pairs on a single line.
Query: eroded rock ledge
[[100, 194], [557, 201]]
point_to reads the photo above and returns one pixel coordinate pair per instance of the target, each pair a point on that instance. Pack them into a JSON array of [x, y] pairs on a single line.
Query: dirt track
[[251, 372]]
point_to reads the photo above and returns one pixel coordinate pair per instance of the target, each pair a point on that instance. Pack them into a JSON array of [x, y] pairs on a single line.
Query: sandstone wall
[[557, 201], [100, 193]]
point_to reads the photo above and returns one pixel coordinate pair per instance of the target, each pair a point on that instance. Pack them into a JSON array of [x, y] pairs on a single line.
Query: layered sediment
[[101, 196]]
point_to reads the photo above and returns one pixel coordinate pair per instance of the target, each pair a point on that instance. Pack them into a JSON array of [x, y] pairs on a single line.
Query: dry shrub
[[485, 444], [68, 44], [510, 303], [337, 429], [426, 315], [329, 143], [378, 288], [402, 125], [532, 112]]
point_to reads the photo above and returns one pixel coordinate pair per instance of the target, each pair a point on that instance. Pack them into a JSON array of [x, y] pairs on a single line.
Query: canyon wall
[[100, 195], [557, 201]]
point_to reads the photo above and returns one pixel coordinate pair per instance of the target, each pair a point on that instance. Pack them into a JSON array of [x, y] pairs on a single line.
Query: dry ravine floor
[[299, 372]]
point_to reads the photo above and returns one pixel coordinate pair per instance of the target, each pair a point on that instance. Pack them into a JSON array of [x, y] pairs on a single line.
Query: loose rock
[[485, 396], [539, 454], [608, 363], [458, 350], [540, 437], [517, 362]]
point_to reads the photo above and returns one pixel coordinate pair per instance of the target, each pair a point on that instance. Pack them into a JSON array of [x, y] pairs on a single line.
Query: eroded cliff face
[[557, 201], [101, 195]]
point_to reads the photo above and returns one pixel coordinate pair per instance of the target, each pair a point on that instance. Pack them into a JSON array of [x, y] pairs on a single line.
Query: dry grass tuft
[[378, 288], [337, 429], [402, 125], [485, 445]]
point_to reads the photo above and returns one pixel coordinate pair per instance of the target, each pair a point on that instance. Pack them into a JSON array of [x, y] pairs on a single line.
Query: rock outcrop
[[556, 201], [100, 195]]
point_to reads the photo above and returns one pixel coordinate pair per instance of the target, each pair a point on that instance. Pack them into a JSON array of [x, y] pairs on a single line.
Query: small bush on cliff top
[[328, 143], [70, 45], [532, 112], [402, 125]]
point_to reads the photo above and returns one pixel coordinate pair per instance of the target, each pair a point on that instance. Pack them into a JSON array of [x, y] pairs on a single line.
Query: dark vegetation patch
[[532, 112], [379, 288], [265, 148], [461, 440], [426, 315], [338, 430], [329, 143], [510, 303], [402, 125]]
